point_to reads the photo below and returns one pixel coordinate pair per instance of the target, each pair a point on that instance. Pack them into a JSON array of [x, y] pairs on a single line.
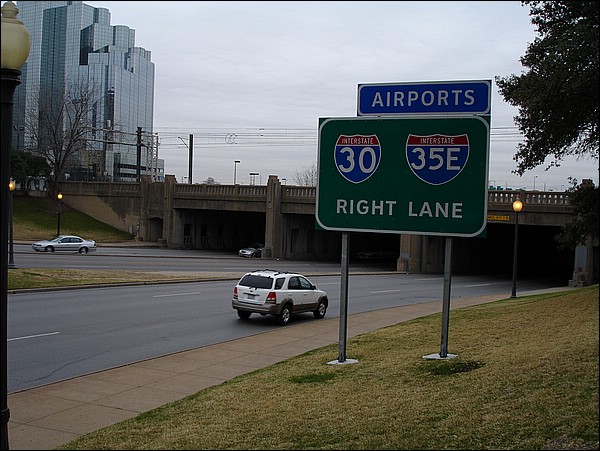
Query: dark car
[[252, 251]]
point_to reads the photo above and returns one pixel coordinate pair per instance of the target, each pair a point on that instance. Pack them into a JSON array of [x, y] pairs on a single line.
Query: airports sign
[[438, 98], [403, 175]]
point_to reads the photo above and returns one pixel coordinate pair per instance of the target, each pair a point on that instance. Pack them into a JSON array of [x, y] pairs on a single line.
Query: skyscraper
[[78, 57]]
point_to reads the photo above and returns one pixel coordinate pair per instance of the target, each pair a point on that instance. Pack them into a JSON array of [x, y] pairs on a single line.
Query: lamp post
[[517, 207], [11, 254], [15, 50], [253, 177], [534, 177], [59, 198], [235, 163]]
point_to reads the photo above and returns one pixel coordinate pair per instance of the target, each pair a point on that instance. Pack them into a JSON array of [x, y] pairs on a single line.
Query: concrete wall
[[116, 204], [283, 217]]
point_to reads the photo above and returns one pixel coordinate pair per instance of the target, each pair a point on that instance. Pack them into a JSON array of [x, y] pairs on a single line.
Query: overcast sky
[[251, 79]]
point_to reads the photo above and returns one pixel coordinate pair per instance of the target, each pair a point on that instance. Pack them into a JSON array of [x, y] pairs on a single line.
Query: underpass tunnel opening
[[538, 253], [223, 230]]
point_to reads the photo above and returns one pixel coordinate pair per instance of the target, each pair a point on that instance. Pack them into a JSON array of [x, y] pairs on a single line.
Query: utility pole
[[139, 155], [191, 147]]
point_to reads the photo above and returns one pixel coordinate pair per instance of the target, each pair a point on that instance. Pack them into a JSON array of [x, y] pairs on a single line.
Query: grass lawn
[[36, 218], [526, 377]]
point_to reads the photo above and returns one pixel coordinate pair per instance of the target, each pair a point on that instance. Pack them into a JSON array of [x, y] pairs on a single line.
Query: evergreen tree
[[557, 97], [585, 201]]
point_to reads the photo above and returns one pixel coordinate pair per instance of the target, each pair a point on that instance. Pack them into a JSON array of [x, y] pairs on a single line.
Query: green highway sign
[[404, 174]]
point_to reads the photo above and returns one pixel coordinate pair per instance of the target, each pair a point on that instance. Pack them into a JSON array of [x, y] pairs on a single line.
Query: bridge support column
[[273, 220], [168, 232], [585, 271], [410, 253], [143, 227]]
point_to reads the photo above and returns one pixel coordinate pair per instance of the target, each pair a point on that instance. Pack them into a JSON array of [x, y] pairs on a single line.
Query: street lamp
[[59, 197], [235, 163], [253, 177], [11, 255], [15, 50], [517, 207], [534, 177]]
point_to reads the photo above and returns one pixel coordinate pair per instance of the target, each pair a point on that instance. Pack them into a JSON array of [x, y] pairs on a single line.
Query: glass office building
[[74, 47]]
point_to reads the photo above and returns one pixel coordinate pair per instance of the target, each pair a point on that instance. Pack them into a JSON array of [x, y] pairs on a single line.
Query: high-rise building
[[77, 56]]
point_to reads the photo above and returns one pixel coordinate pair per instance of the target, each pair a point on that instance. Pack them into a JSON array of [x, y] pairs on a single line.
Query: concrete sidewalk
[[49, 416]]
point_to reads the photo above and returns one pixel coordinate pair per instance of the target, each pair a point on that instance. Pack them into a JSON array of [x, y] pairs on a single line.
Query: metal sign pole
[[344, 299], [446, 299], [443, 354], [343, 305]]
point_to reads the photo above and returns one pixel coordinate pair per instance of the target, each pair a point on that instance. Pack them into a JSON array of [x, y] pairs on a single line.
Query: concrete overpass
[[227, 217]]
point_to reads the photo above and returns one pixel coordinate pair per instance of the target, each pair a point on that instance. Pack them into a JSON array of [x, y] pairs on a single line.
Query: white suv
[[271, 292]]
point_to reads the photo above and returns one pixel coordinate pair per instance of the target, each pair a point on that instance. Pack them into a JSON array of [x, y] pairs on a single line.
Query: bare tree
[[306, 176], [58, 124]]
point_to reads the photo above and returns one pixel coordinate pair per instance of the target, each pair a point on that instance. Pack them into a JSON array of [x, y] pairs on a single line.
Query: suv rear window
[[252, 280]]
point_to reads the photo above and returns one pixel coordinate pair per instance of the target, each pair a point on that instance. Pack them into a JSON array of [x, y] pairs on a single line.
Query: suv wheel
[[284, 317], [321, 309], [243, 314]]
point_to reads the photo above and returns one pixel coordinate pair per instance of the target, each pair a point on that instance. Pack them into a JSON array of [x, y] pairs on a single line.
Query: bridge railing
[[494, 196], [130, 188], [299, 191], [528, 197], [310, 192], [295, 192], [220, 190]]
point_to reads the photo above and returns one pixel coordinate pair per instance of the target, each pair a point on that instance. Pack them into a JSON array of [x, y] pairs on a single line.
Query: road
[[59, 334], [174, 260]]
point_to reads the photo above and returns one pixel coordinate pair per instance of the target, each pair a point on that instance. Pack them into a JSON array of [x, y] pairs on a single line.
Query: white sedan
[[65, 243]]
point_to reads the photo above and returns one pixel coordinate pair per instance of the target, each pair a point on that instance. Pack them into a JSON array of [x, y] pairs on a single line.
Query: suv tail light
[[235, 295], [272, 298]]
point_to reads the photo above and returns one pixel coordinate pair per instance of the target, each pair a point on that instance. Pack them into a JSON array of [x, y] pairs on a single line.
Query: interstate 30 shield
[[437, 159], [357, 157]]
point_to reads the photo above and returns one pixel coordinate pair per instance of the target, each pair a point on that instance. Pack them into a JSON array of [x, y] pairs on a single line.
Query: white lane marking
[[479, 285], [174, 294], [385, 291], [33, 336]]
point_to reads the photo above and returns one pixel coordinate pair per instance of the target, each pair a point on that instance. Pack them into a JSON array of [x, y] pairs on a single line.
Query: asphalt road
[[58, 334], [175, 260]]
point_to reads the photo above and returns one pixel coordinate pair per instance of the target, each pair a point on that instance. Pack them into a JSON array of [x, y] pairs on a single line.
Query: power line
[[262, 136]]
